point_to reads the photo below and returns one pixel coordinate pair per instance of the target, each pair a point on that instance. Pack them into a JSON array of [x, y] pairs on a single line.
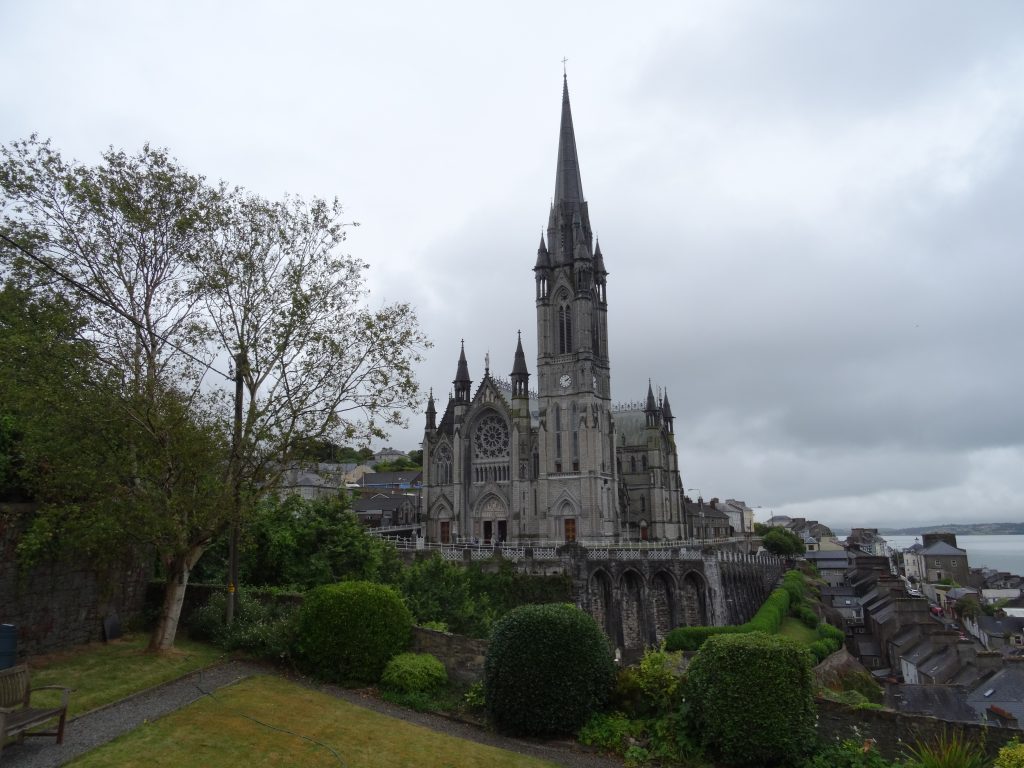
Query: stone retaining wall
[[58, 604], [893, 731], [463, 657]]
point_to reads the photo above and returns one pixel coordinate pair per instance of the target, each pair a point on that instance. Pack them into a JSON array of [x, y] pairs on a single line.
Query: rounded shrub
[[548, 668], [414, 673], [751, 699], [349, 631], [1010, 756]]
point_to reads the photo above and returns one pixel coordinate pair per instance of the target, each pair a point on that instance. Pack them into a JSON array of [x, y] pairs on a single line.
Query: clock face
[[565, 380]]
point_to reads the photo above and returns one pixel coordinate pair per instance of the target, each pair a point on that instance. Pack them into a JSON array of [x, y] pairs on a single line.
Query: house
[[705, 521], [831, 564], [403, 480], [741, 517], [996, 633], [385, 510], [867, 540], [1000, 698], [388, 455]]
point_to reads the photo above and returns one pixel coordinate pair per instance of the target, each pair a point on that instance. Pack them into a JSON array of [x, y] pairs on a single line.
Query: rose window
[[490, 439]]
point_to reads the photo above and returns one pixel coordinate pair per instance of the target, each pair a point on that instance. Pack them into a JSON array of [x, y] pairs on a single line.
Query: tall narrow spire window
[[564, 328]]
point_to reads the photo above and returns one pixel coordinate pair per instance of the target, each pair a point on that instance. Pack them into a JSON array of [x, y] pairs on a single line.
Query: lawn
[[795, 629], [264, 721], [102, 673]]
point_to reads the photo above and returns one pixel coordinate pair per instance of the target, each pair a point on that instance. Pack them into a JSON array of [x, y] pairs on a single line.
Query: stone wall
[[463, 657], [58, 604], [893, 731]]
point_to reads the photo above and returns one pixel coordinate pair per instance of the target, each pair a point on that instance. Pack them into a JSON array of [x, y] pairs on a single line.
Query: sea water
[[1004, 553]]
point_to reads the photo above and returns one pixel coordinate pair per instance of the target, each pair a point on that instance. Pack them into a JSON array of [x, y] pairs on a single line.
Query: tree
[[316, 364], [783, 542], [162, 265], [125, 237], [968, 607]]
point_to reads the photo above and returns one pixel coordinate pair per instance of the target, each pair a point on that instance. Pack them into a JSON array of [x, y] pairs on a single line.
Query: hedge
[[751, 699], [547, 669], [767, 619], [349, 631]]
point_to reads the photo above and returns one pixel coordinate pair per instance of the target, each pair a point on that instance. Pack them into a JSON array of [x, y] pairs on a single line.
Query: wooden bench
[[17, 716]]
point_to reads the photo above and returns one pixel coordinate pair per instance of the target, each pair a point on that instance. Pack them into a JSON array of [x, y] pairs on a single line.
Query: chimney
[[989, 661]]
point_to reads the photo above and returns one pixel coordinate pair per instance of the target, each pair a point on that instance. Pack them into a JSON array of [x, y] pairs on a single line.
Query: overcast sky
[[812, 213]]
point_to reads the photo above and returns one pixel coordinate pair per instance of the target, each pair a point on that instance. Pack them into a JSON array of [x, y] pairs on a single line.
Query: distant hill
[[973, 529]]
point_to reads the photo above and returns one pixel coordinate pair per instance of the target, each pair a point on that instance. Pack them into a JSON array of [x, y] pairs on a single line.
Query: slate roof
[[942, 549], [1001, 626], [1007, 692], [391, 478], [945, 702]]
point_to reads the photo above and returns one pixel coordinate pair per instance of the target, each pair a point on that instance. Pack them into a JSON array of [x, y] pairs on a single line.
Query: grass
[[102, 673], [795, 629], [299, 727]]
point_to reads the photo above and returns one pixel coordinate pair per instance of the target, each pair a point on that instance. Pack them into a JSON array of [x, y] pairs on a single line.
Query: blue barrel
[[8, 645]]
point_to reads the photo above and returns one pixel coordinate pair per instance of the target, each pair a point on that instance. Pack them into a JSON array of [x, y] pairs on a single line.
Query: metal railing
[[681, 549]]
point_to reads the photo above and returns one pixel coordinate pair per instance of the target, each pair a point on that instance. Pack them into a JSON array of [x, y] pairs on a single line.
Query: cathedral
[[558, 462]]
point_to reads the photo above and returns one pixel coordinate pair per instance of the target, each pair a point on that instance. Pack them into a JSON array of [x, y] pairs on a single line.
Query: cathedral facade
[[560, 462]]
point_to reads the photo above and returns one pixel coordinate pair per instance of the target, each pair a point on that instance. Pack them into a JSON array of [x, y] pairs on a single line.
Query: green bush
[[608, 732], [414, 673], [950, 749], [807, 616], [349, 631], [548, 667], [827, 632], [795, 583], [751, 699], [1010, 756], [262, 627]]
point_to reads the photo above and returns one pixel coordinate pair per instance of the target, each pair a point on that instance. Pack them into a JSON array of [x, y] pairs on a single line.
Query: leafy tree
[[316, 363], [968, 607], [401, 464], [301, 544], [416, 457], [760, 529], [126, 236], [783, 542], [161, 265]]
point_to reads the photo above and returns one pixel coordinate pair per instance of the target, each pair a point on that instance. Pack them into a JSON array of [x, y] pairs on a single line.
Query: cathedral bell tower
[[576, 473]]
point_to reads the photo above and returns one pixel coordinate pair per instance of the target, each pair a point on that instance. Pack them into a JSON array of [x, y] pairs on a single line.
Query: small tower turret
[[462, 382], [431, 413]]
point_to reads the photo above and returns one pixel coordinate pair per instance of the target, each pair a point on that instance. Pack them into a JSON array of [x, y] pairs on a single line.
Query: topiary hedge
[[349, 631], [414, 673], [767, 619], [751, 699], [548, 668]]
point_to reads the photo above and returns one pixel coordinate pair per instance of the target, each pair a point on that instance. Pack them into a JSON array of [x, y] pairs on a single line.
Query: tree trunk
[[179, 568]]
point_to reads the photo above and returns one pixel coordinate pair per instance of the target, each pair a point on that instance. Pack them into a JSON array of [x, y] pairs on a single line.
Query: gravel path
[[96, 728]]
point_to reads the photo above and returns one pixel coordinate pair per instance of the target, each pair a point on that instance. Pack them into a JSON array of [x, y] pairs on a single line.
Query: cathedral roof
[[543, 259], [568, 186]]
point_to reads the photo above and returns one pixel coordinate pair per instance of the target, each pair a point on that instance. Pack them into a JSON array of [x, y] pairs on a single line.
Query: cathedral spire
[[568, 186], [431, 412], [520, 374], [666, 411], [652, 410], [462, 381]]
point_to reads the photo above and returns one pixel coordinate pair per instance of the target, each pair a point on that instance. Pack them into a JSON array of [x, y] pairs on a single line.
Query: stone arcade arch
[[634, 631], [602, 603], [693, 610], [662, 591]]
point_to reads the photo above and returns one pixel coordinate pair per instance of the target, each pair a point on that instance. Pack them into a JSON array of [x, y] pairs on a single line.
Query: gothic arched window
[[443, 465], [632, 463], [564, 325]]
